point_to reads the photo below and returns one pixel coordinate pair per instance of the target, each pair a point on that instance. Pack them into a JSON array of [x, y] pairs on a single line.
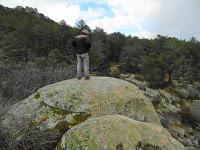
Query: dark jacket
[[82, 44]]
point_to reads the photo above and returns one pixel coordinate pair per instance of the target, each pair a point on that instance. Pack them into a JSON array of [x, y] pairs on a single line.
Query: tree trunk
[[170, 76]]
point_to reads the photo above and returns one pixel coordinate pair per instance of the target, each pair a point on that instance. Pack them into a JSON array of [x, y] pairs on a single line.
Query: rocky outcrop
[[188, 91], [194, 111], [19, 8], [100, 96], [58, 107], [115, 132], [178, 108], [29, 10], [132, 79]]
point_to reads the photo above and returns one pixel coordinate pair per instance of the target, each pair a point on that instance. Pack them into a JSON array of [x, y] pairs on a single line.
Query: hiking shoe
[[87, 78], [79, 78]]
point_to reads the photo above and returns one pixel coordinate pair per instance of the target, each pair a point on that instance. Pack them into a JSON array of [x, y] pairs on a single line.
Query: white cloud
[[56, 10], [59, 10], [127, 14], [88, 1], [178, 18], [91, 14], [146, 34]]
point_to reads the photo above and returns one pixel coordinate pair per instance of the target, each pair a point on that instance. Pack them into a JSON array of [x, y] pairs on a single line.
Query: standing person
[[82, 45]]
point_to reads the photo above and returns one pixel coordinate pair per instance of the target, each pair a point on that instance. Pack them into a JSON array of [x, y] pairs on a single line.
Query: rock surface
[[100, 96], [188, 91], [132, 79], [115, 132], [178, 109], [60, 106]]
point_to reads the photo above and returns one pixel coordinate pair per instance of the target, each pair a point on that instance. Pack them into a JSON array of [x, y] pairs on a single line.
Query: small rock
[[182, 93], [169, 98], [154, 95], [191, 148], [123, 76], [131, 78]]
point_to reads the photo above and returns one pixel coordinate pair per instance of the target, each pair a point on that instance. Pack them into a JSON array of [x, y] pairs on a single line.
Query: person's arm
[[74, 43], [88, 42]]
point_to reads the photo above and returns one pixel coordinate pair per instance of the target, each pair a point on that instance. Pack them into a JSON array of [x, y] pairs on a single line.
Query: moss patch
[[119, 146], [145, 146], [37, 95], [62, 126], [15, 135], [184, 106], [81, 117], [34, 124], [58, 111], [59, 147]]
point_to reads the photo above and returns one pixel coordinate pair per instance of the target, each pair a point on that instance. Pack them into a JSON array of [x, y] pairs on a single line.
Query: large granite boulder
[[115, 132], [62, 105], [100, 96]]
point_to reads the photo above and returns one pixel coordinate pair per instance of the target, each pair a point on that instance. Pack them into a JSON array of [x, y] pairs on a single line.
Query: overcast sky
[[143, 18]]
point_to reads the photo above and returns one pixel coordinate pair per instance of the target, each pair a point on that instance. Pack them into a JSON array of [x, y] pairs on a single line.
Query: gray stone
[[131, 78], [182, 93], [113, 132], [154, 95], [168, 97], [64, 104]]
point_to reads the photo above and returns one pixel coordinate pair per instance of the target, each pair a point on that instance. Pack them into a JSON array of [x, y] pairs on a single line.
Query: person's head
[[85, 32]]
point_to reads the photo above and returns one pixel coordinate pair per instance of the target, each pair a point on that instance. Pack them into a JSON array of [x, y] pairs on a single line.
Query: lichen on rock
[[100, 96], [115, 131], [62, 105]]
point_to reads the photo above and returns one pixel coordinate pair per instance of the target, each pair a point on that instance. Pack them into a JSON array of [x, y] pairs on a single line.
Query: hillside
[[30, 37], [34, 51], [27, 34]]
